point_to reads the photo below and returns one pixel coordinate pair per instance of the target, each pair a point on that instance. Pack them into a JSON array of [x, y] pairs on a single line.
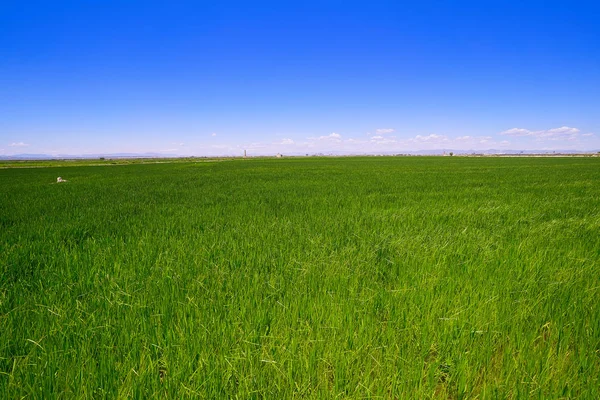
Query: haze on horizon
[[211, 78]]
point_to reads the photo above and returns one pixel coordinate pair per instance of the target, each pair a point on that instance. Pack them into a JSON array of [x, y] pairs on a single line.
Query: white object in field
[[59, 180], [278, 155]]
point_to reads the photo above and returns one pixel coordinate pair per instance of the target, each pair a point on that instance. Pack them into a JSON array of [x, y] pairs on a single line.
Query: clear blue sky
[[215, 77]]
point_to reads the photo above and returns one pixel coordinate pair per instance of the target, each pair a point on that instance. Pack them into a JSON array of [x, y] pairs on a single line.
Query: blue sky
[[217, 77]]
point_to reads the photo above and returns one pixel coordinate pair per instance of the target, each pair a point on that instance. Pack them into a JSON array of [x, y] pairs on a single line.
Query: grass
[[385, 277], [101, 162]]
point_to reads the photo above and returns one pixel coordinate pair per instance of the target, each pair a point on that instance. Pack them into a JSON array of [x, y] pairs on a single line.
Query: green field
[[379, 277]]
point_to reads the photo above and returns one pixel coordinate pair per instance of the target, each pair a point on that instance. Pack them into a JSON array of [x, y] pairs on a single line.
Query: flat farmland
[[375, 277]]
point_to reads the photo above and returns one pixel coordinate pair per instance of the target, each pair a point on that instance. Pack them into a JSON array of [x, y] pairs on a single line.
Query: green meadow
[[374, 277]]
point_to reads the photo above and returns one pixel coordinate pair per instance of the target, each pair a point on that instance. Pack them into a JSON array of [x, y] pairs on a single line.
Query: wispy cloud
[[18, 144], [384, 131], [562, 133], [399, 142], [430, 138], [257, 145], [213, 134], [355, 141], [379, 140]]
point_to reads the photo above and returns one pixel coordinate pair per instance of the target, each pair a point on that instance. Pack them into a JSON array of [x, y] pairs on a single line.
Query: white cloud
[[334, 137], [383, 131], [562, 133], [588, 134], [18, 144], [213, 134], [336, 143], [562, 130], [516, 132]]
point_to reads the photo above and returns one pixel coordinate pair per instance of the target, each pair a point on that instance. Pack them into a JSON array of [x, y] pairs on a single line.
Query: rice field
[[374, 277]]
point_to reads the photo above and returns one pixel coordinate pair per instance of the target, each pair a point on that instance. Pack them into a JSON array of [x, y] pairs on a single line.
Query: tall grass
[[314, 278]]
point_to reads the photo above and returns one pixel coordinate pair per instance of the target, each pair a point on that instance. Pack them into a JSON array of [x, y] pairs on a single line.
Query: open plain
[[373, 277]]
